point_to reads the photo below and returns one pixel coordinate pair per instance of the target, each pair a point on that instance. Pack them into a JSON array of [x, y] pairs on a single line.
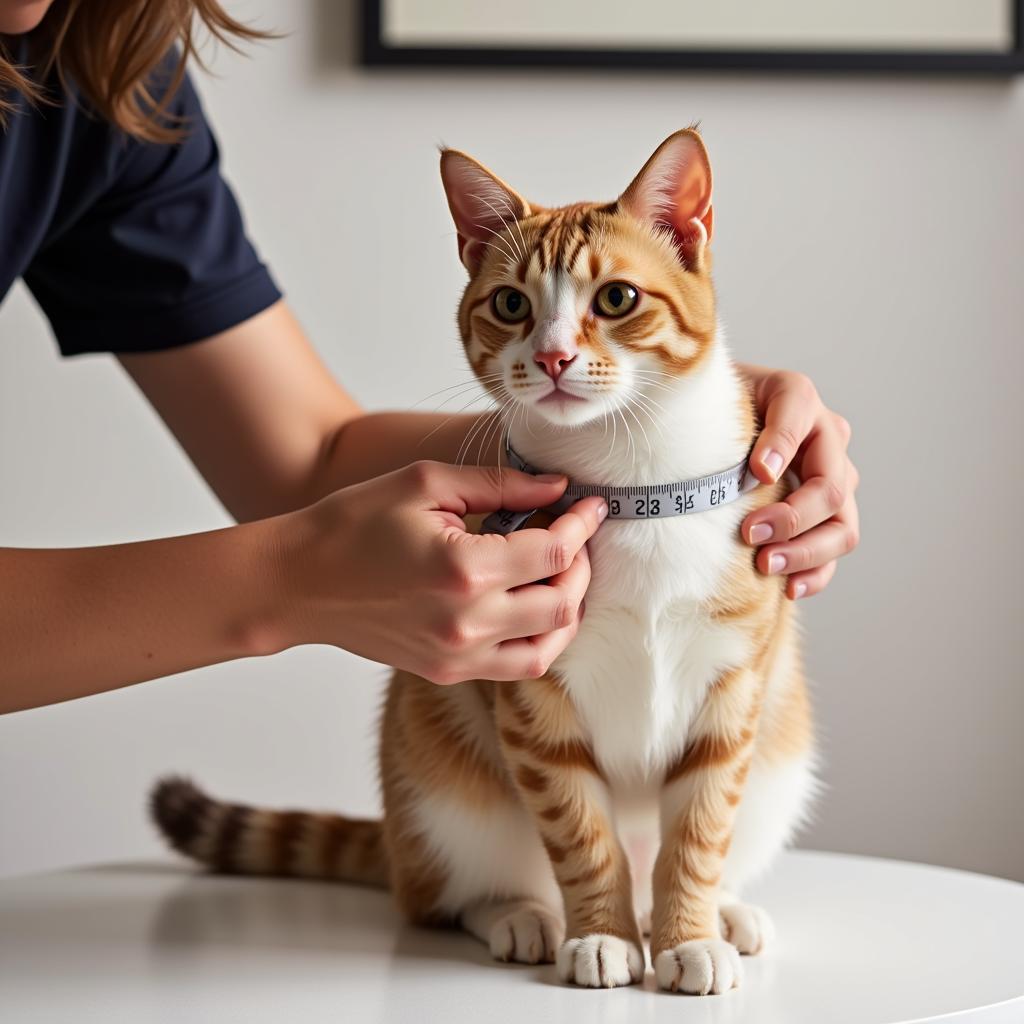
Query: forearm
[[375, 443], [85, 620]]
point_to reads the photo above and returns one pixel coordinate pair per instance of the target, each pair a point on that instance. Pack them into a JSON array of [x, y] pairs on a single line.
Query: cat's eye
[[615, 299], [510, 305]]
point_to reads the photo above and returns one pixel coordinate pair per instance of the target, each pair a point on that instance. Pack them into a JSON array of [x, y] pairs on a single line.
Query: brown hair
[[109, 48]]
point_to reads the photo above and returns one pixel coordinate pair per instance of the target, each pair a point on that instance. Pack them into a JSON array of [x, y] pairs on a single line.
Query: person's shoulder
[[170, 85], [173, 102]]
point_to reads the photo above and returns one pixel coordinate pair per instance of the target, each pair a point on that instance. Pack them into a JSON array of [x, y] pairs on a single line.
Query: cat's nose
[[553, 363]]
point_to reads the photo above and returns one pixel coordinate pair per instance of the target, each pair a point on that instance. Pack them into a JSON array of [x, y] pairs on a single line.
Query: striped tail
[[235, 839]]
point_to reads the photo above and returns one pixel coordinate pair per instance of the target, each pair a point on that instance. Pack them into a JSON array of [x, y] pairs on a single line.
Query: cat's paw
[[698, 967], [526, 936], [747, 927], [600, 961]]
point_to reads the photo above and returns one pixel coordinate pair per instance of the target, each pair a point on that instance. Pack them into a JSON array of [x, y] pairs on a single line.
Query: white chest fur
[[646, 652], [639, 669]]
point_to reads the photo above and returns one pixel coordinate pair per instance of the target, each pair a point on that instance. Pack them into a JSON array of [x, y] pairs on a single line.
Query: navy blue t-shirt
[[127, 246]]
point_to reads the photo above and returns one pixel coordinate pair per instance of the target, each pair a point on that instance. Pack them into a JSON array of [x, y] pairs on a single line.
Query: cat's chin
[[560, 409]]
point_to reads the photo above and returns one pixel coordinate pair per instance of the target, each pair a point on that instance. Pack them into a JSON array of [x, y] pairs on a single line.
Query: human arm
[[75, 621], [385, 569], [269, 427]]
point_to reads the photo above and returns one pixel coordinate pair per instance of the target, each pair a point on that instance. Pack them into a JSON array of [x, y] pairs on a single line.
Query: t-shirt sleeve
[[161, 258]]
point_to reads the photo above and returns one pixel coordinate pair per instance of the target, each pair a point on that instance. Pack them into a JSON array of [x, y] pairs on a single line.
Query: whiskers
[[656, 379], [642, 417], [477, 387], [495, 425], [460, 388]]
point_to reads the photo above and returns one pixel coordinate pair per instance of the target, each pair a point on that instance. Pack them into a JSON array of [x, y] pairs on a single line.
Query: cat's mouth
[[564, 408], [558, 395]]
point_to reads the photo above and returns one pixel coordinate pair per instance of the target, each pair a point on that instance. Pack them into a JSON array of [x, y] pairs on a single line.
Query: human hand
[[388, 570], [803, 535]]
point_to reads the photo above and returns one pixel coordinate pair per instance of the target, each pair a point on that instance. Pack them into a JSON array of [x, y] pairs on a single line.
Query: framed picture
[[923, 36]]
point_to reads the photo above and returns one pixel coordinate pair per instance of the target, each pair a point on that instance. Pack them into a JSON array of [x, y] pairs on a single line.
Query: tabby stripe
[[565, 232], [693, 883], [530, 778], [491, 337], [587, 838], [555, 813], [554, 245], [335, 834], [232, 825], [680, 362], [724, 613], [705, 844], [704, 881], [367, 848], [571, 260], [556, 854], [708, 751], [636, 328], [583, 227], [569, 753], [520, 706], [672, 308], [541, 242], [480, 365], [591, 874], [284, 834]]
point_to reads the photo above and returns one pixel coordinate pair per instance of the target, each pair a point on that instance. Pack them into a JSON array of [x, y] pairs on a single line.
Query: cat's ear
[[674, 190], [482, 204]]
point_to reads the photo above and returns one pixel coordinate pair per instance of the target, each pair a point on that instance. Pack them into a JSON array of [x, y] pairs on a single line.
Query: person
[[350, 524]]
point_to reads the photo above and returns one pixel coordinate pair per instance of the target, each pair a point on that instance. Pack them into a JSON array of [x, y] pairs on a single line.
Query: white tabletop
[[861, 941]]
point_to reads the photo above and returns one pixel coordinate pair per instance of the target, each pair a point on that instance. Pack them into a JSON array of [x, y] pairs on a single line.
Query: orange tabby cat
[[667, 754]]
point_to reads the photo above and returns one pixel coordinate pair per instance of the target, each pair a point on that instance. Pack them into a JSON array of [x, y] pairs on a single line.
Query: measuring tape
[[649, 501]]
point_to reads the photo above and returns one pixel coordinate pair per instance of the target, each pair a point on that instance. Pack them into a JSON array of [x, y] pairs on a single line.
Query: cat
[[668, 754]]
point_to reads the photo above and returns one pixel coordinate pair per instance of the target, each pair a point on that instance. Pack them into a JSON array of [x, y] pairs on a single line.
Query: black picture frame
[[376, 53]]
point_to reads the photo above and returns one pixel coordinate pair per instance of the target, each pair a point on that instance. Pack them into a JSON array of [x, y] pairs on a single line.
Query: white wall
[[867, 232]]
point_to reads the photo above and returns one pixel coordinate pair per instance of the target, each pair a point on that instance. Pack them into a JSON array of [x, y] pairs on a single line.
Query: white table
[[861, 941]]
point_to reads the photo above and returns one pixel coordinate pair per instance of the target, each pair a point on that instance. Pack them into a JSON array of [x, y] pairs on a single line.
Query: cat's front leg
[[558, 780], [698, 807]]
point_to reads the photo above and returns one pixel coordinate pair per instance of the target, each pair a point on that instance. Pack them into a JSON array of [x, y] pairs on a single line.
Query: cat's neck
[[686, 427]]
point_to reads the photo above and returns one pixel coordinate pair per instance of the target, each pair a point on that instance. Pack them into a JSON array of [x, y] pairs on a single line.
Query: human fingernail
[[776, 564], [760, 532], [772, 461], [550, 478], [799, 590], [602, 511]]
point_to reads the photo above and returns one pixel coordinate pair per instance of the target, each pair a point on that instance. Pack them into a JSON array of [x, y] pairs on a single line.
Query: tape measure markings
[[637, 501]]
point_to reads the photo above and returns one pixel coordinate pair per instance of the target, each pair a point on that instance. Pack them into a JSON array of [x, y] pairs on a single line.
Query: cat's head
[[573, 312]]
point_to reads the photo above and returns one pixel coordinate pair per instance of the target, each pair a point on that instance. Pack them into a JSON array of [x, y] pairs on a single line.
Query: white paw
[[747, 927], [527, 936], [600, 961], [699, 966]]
